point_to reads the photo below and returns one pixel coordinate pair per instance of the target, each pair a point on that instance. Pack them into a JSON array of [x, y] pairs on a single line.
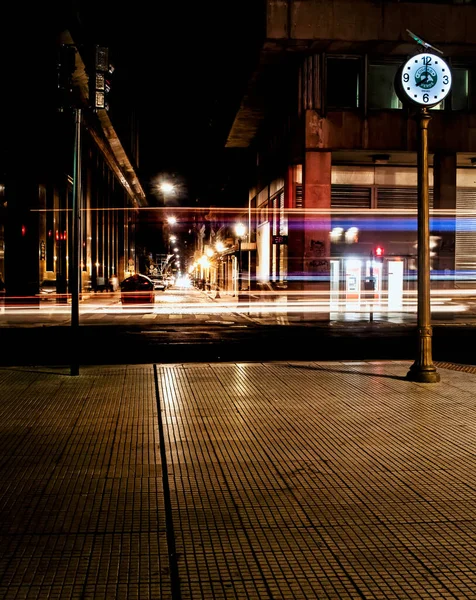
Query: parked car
[[159, 282], [48, 287], [51, 289], [137, 289], [170, 280]]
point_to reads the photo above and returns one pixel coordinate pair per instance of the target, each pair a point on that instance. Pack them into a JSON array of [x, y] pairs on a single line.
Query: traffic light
[[100, 79], [65, 67], [378, 252]]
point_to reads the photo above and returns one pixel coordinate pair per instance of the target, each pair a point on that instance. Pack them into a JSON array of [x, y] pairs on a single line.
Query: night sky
[[184, 65]]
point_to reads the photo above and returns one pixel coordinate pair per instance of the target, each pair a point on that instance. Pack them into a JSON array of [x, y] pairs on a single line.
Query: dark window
[[381, 86], [343, 82], [460, 88]]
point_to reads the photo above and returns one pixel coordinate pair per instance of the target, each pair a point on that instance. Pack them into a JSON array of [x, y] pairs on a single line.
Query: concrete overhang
[[257, 99]]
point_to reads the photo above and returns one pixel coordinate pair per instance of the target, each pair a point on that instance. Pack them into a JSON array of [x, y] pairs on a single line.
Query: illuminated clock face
[[424, 80]]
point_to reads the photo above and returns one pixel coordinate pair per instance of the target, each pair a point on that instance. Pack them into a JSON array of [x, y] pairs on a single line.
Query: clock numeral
[[426, 60], [406, 77], [445, 79], [426, 98]]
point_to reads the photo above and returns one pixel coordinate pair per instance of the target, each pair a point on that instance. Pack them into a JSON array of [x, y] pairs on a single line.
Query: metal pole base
[[423, 374], [423, 369]]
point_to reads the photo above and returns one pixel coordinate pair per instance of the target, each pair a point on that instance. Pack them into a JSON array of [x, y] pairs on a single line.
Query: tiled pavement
[[237, 480]]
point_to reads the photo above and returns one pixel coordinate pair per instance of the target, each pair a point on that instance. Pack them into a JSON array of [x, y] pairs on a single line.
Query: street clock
[[423, 80]]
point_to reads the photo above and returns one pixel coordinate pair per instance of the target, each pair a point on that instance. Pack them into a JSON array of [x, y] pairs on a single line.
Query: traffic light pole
[[75, 245], [423, 369]]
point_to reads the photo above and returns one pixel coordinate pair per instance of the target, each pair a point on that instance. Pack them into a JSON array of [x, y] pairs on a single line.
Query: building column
[[22, 242], [295, 231], [444, 197], [317, 204]]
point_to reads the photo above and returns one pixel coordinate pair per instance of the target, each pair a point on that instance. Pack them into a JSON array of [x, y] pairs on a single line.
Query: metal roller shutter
[[465, 251], [350, 196], [400, 197]]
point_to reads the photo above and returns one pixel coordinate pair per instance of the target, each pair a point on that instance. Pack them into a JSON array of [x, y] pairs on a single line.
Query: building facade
[[55, 151], [337, 151]]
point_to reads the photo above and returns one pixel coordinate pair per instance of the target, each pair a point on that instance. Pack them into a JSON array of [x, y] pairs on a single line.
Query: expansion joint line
[[169, 525]]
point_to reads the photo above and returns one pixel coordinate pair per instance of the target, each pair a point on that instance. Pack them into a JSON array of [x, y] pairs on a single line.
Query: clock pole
[[424, 80], [423, 369]]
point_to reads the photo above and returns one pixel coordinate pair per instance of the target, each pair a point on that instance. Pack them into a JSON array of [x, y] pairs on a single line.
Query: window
[[381, 88], [343, 82], [459, 88]]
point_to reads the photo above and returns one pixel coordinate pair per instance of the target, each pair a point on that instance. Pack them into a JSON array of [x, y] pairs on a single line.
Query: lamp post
[[240, 231]]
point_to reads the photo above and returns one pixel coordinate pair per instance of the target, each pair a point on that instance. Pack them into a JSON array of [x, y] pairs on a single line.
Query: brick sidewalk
[[237, 480]]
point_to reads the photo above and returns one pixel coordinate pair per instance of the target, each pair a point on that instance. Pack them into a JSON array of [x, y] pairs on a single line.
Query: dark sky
[[185, 65]]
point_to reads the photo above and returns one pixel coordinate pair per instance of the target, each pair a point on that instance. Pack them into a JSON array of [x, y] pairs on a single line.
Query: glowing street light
[[166, 187], [240, 230], [204, 262]]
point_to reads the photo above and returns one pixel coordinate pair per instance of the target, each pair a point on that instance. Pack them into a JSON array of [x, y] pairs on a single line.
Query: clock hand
[[422, 80]]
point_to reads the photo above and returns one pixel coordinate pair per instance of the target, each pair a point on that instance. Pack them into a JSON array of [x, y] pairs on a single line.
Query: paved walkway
[[237, 480]]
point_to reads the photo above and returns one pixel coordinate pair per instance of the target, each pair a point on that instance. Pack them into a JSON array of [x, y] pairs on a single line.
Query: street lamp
[[171, 220], [240, 231], [166, 188], [172, 240]]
